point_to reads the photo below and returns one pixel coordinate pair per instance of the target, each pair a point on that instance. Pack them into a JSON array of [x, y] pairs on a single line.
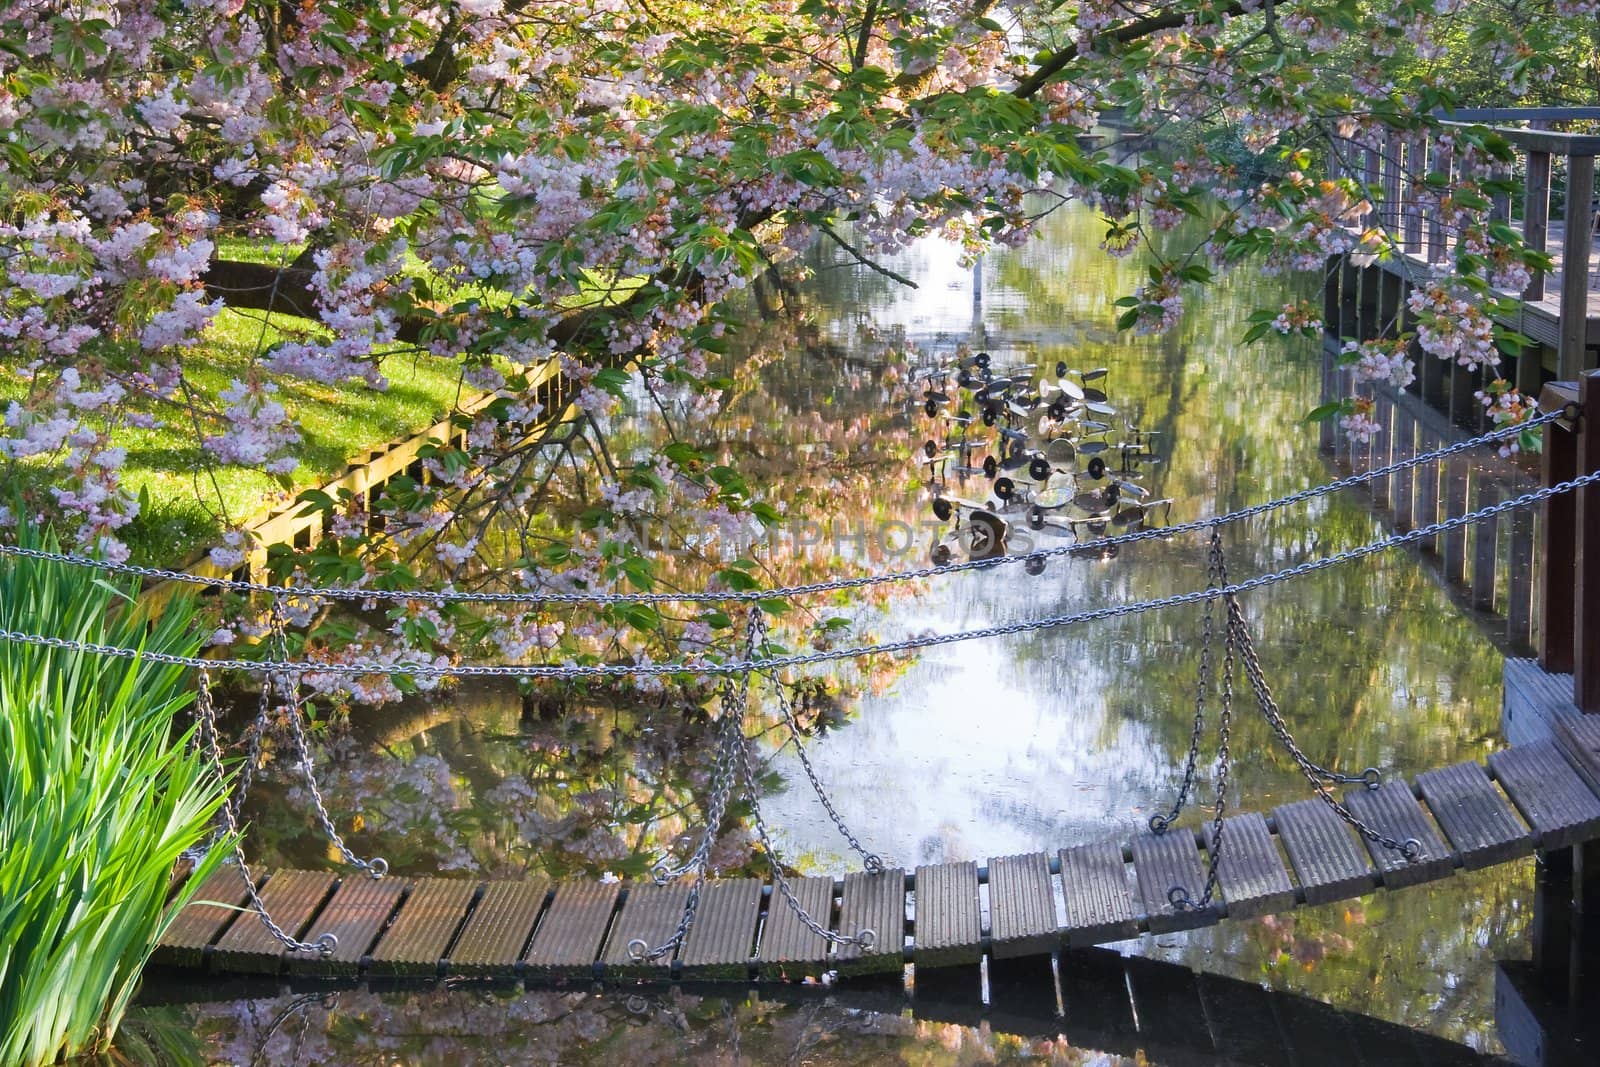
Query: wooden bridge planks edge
[[1530, 796]]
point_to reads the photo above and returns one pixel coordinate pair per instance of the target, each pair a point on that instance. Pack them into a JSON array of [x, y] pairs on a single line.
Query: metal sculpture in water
[[1051, 455]]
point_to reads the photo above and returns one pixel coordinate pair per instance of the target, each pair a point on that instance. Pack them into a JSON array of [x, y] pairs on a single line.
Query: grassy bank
[[99, 796], [188, 498]]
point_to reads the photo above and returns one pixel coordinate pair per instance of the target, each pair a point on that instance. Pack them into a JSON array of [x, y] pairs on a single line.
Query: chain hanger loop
[[205, 713]]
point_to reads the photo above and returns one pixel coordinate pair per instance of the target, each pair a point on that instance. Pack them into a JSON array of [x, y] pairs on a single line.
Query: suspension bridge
[[1353, 835], [1541, 795]]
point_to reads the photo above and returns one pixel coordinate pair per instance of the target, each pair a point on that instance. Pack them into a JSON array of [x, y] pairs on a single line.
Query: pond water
[[976, 749]]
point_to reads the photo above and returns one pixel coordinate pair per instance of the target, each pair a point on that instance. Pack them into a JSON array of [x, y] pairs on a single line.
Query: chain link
[[866, 938], [1178, 895], [871, 862], [1410, 848], [277, 627], [206, 720], [733, 759], [730, 738], [447, 596], [409, 668], [1159, 823]]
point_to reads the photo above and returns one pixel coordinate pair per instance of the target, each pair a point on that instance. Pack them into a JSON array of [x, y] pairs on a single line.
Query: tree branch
[[855, 253], [1131, 31]]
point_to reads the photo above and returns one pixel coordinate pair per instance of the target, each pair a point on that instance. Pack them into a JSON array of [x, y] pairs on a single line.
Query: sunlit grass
[[188, 498], [99, 796]]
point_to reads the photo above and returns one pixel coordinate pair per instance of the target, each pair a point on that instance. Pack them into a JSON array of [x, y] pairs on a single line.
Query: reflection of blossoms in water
[[412, 803], [550, 1026]]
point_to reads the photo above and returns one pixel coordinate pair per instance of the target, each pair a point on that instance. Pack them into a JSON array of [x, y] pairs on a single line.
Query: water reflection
[[1031, 741], [1097, 1006]]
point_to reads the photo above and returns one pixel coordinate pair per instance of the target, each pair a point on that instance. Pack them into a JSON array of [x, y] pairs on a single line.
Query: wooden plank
[[567, 942], [1536, 216], [788, 948], [1253, 879], [650, 913], [491, 943], [415, 943], [1579, 738], [1326, 859], [724, 931], [355, 914], [1094, 883], [1022, 906], [194, 929], [1161, 863], [291, 898], [1479, 822], [1533, 700], [875, 902], [1558, 805], [1558, 548], [1392, 811], [949, 916]]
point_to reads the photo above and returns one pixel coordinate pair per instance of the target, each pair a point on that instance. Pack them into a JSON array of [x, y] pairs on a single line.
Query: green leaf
[[1323, 412]]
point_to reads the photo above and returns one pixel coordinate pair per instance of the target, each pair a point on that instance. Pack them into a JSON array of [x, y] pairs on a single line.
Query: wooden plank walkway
[[1543, 794]]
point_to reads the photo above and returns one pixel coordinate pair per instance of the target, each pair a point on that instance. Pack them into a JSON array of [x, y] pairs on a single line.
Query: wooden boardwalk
[[1544, 794]]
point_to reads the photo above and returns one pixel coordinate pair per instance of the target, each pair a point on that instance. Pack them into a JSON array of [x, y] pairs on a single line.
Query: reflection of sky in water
[[1040, 740]]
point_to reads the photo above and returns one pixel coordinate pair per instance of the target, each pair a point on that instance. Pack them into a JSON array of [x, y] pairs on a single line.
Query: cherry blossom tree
[[501, 182]]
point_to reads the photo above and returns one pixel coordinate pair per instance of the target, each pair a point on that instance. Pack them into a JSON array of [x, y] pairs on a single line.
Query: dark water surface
[[971, 750]]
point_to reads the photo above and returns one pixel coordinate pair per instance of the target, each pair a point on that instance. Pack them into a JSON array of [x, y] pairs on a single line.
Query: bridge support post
[[1586, 552], [1558, 541]]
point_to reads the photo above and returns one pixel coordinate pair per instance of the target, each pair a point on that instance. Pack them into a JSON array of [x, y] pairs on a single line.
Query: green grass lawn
[[189, 498]]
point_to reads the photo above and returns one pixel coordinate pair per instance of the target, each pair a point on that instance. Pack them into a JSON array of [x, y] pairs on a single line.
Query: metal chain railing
[[1410, 848], [358, 668], [277, 628], [1161, 821], [206, 722], [445, 596], [865, 938], [1237, 640], [730, 736], [871, 862], [733, 760], [1178, 896]]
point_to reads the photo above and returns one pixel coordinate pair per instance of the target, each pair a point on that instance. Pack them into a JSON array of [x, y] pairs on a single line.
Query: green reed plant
[[100, 793]]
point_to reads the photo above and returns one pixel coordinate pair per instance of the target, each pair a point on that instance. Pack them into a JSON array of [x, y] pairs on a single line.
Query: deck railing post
[[1416, 170], [1557, 542], [1438, 163], [1576, 241], [1536, 216], [1586, 552]]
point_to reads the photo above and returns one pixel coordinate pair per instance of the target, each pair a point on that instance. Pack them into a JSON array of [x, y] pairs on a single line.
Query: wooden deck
[[1543, 794]]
